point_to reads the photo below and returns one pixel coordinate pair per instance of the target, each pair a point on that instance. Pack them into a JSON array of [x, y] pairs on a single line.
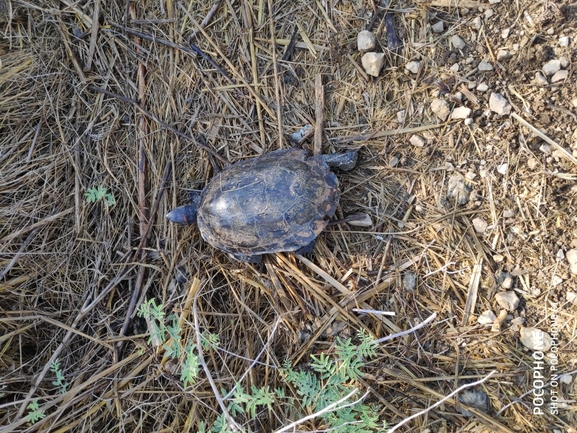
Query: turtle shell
[[279, 201]]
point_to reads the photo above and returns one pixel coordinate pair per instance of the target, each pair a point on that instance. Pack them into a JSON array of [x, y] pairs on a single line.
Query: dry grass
[[85, 105]]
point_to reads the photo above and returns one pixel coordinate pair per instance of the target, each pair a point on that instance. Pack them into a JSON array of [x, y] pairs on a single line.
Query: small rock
[[540, 79], [507, 300], [507, 282], [545, 148], [556, 280], [417, 140], [502, 169], [564, 41], [470, 175], [566, 379], [401, 116], [438, 27], [503, 54], [483, 87], [550, 31], [494, 1], [373, 63], [477, 23], [455, 67], [458, 96], [508, 213], [457, 42], [366, 41], [480, 225], [413, 66], [499, 104], [532, 163], [535, 339], [486, 318], [499, 258], [560, 255], [476, 399], [409, 280], [360, 220], [505, 33], [441, 108], [571, 257], [564, 62], [468, 121], [458, 189], [301, 133], [394, 161], [489, 13], [461, 113], [485, 66], [560, 76], [571, 297], [551, 67]]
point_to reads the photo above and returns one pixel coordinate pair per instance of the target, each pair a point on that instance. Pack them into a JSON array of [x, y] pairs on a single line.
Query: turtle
[[276, 202]]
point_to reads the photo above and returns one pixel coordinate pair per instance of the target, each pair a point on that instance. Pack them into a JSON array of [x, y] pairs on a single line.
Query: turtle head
[[183, 214], [186, 214]]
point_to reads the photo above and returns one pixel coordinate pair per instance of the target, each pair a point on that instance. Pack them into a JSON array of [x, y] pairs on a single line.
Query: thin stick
[[276, 80], [93, 35], [408, 331], [424, 411], [206, 19], [320, 114], [160, 122], [535, 131]]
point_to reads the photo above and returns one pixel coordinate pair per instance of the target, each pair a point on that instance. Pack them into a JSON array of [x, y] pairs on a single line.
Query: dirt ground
[[472, 210]]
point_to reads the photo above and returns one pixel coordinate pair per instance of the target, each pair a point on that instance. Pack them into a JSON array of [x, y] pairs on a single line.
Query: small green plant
[[34, 413], [55, 368], [168, 336], [99, 193], [331, 379]]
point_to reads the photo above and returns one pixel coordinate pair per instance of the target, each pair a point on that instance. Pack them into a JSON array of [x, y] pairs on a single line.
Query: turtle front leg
[[343, 161]]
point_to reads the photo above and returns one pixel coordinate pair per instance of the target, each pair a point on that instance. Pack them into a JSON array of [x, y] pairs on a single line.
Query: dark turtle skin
[[280, 201]]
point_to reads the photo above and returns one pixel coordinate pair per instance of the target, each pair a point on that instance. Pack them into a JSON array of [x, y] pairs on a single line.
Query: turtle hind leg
[[247, 258], [343, 161], [306, 249]]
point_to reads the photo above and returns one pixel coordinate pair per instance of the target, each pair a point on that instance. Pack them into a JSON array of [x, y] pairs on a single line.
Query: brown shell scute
[[280, 201]]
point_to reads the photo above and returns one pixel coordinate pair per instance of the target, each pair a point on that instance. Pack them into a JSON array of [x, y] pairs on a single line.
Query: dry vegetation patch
[[110, 112]]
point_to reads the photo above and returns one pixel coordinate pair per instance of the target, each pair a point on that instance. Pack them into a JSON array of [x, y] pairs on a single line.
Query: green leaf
[[35, 413]]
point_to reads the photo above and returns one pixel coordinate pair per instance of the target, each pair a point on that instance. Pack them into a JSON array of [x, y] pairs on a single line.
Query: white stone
[[499, 104], [360, 220], [401, 116], [480, 225], [560, 76], [505, 33], [366, 41], [503, 168], [457, 42], [551, 67], [394, 161], [485, 66], [373, 63], [489, 13], [508, 213], [571, 297], [458, 96], [503, 54], [477, 22], [486, 318], [417, 140], [540, 79], [564, 62], [556, 280], [482, 87], [441, 108], [564, 41], [413, 66], [410, 280], [494, 1], [438, 27], [535, 339], [545, 148], [507, 282], [468, 121], [461, 113], [455, 68], [507, 300], [566, 379], [571, 257]]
